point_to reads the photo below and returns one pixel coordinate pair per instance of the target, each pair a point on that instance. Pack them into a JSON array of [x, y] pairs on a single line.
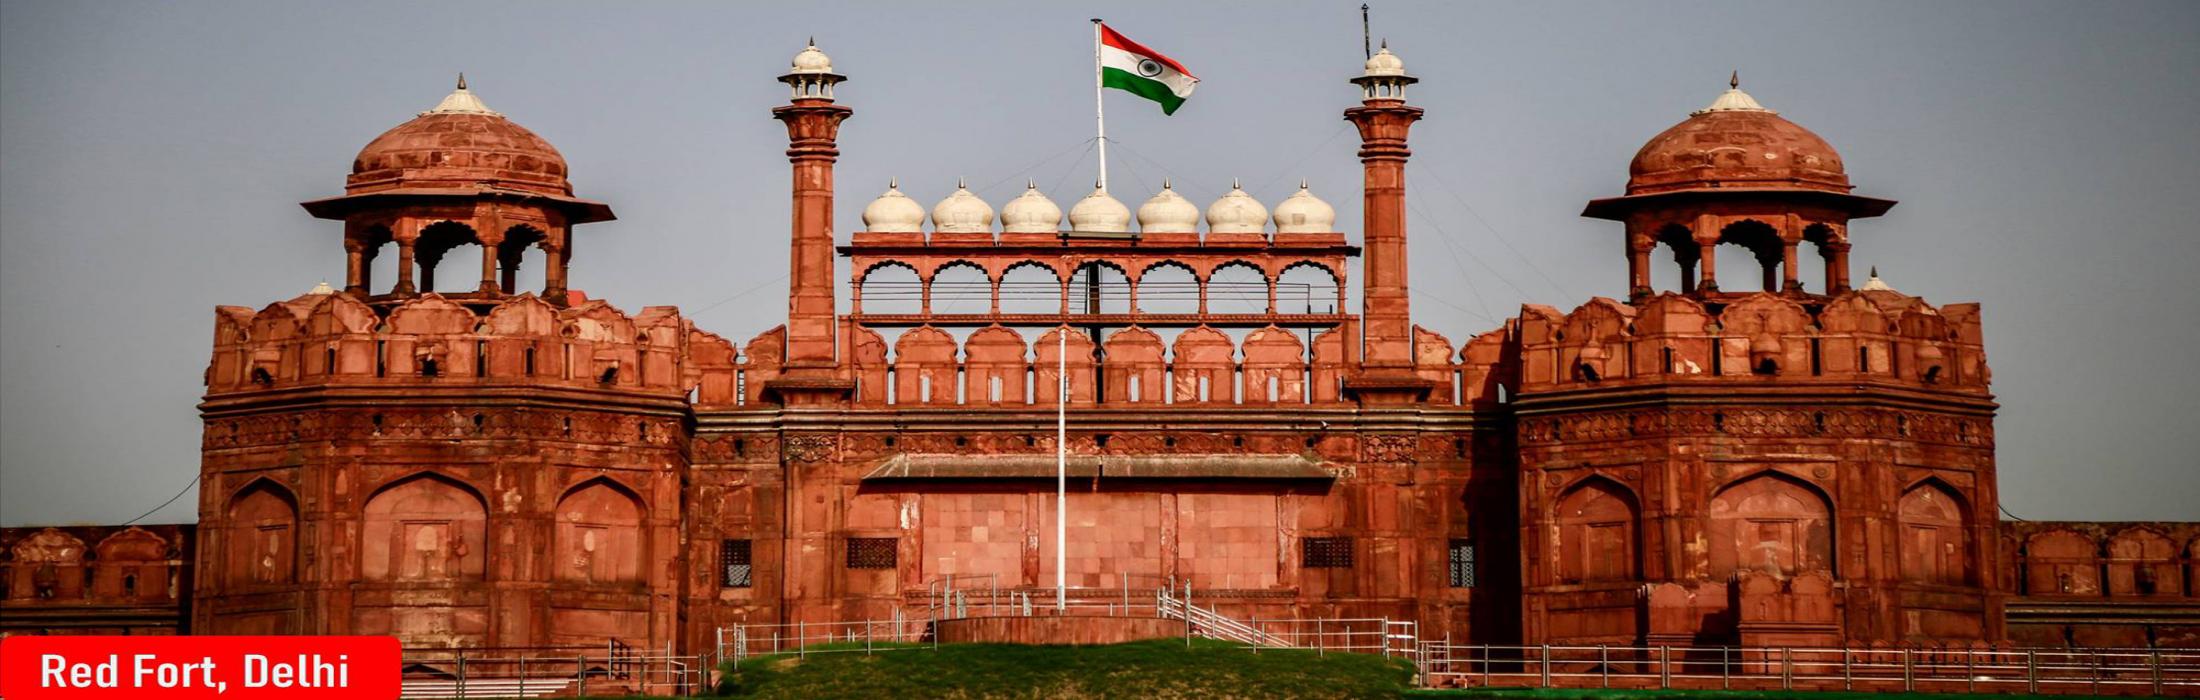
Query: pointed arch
[[1168, 287], [2061, 562], [1598, 531], [1031, 287], [599, 535], [260, 535], [1935, 537], [426, 526], [1770, 522]]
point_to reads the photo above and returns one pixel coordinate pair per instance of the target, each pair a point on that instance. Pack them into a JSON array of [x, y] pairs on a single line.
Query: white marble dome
[[1168, 212], [962, 212], [1236, 212], [1385, 63], [1031, 212], [1099, 213], [893, 212], [1302, 212], [811, 60]]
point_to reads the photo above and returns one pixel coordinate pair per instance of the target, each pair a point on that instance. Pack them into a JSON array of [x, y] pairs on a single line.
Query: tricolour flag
[[1126, 65]]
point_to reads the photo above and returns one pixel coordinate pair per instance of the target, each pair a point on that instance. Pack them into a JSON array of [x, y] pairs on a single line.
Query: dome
[[1099, 213], [1031, 212], [811, 60], [1168, 212], [1236, 212], [1302, 212], [1385, 63], [1736, 143], [962, 212], [460, 143], [893, 212]]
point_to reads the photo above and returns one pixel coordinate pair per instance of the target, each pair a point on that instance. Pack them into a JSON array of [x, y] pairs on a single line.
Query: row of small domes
[[1032, 212]]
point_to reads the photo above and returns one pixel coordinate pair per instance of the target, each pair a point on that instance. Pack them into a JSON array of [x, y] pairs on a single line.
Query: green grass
[[1150, 670], [1601, 694]]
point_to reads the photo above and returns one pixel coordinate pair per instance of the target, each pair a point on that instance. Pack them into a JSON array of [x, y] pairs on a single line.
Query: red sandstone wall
[[95, 579]]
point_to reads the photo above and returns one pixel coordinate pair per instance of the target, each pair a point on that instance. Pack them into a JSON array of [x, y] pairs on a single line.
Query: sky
[[152, 155]]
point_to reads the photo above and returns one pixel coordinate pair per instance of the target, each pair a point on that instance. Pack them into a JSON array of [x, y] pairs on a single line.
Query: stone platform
[[1070, 629]]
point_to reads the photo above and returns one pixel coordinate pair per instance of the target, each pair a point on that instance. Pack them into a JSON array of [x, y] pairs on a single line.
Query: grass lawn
[[1150, 670], [1601, 694]]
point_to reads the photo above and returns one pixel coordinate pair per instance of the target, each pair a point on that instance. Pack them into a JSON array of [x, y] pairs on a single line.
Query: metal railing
[[2033, 671], [543, 671]]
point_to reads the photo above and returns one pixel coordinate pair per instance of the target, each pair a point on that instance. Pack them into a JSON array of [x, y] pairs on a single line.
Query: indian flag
[[1126, 65]]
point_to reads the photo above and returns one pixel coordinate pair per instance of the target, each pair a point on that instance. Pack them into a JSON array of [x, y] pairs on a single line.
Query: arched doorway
[[1770, 522]]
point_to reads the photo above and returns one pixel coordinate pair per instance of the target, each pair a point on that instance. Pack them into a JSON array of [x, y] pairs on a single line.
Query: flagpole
[[1061, 469], [1099, 114]]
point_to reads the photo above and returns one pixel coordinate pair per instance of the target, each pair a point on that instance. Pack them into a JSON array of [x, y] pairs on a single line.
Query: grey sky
[[154, 153]]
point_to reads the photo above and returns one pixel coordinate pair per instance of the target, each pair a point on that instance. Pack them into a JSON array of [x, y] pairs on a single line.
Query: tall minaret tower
[[813, 124], [1383, 118]]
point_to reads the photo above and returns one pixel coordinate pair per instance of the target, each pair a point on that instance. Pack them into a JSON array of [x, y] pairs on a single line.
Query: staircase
[[485, 688], [1205, 622]]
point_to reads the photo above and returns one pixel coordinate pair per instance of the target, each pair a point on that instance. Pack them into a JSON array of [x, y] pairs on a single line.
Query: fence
[[522, 672], [2033, 671]]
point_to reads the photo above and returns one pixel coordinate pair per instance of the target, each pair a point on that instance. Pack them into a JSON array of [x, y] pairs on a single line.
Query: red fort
[[460, 460]]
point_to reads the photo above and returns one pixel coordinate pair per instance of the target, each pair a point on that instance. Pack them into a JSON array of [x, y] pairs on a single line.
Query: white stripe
[[1179, 83]]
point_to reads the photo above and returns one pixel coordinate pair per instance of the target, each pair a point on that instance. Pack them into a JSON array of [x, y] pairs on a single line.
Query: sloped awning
[[1199, 466]]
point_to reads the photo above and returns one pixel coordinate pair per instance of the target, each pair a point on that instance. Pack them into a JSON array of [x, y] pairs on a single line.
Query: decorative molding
[[445, 424], [1759, 422]]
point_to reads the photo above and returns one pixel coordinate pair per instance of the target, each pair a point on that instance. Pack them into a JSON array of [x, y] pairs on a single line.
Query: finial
[[1302, 183], [1875, 271], [813, 41], [1734, 81], [893, 183], [1386, 43], [1164, 182], [959, 183], [1234, 184], [462, 80], [1031, 184], [1096, 186]]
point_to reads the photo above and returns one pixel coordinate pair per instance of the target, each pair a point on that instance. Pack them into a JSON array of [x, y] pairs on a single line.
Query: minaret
[[1383, 119], [813, 124]]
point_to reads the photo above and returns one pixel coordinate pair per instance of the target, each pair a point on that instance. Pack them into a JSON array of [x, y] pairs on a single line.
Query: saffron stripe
[[1109, 37]]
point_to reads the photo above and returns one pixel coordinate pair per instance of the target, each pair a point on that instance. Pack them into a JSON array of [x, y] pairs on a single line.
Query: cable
[[163, 504], [1309, 153], [1494, 233], [2005, 511], [737, 295], [988, 188]]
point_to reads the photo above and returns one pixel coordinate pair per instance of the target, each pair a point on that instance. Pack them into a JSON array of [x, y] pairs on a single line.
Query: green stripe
[[1141, 86]]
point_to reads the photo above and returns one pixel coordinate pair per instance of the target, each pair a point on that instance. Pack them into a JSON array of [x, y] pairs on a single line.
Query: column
[[1791, 278], [355, 267], [1836, 254]]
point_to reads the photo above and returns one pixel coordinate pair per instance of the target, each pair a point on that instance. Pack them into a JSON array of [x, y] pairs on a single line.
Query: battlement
[[322, 340], [1875, 336]]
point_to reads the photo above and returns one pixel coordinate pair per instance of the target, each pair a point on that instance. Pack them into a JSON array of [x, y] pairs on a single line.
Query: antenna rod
[[1365, 48]]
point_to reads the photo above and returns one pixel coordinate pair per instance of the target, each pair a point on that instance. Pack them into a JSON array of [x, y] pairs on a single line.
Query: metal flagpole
[[1061, 471], [1099, 114]]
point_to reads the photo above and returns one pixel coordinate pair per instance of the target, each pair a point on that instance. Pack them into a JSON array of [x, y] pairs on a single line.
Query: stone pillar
[[1791, 278], [1836, 254], [1383, 124], [1638, 267], [404, 268], [489, 246], [355, 267], [553, 274], [1707, 259], [813, 127]]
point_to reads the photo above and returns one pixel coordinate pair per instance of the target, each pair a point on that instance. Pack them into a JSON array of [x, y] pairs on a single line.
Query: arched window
[[891, 288], [436, 242], [1936, 538], [1679, 274], [961, 288], [1307, 288], [1597, 535], [1237, 288], [262, 542], [599, 535], [1168, 288], [1770, 522], [1099, 288], [426, 527], [522, 264], [1030, 288], [1745, 247]]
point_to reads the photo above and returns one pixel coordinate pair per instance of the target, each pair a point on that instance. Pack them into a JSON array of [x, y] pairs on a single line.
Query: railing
[[520, 672], [2031, 671]]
